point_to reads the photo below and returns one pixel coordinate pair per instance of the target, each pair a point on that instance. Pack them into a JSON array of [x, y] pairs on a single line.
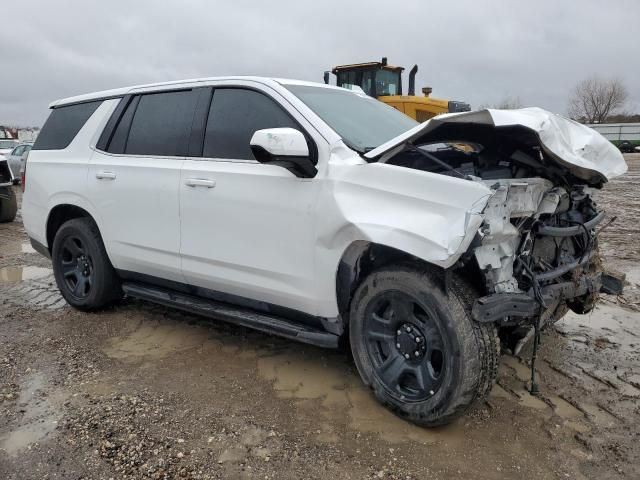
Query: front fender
[[431, 216]]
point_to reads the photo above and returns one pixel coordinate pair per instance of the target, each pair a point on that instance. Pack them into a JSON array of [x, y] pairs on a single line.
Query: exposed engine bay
[[536, 250]]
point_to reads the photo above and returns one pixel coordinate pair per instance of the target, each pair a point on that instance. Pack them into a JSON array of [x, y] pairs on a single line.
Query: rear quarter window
[[63, 125]]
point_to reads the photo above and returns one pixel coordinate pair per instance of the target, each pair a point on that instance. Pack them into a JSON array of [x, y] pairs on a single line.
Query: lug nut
[[416, 353], [399, 332], [417, 339], [408, 329], [406, 355], [397, 345], [430, 392]]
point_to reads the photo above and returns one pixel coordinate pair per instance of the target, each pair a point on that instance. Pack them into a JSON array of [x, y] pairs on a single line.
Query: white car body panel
[[258, 236], [139, 211], [60, 176]]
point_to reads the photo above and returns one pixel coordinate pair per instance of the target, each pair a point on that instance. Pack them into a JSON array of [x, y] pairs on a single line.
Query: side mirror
[[285, 147]]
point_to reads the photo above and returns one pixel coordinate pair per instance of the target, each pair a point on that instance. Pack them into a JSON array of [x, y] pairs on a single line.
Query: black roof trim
[[90, 100]]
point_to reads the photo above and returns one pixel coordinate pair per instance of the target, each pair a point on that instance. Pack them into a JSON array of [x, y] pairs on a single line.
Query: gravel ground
[[141, 391]]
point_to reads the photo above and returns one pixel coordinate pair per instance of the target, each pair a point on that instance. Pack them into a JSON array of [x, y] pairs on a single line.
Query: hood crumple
[[579, 149]]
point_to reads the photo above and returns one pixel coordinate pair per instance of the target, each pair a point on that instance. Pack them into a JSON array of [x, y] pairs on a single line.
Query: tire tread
[[483, 335]]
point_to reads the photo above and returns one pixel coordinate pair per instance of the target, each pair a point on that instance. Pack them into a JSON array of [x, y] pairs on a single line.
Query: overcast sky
[[476, 51]]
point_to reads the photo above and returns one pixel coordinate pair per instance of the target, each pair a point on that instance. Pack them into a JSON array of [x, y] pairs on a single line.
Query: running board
[[232, 314]]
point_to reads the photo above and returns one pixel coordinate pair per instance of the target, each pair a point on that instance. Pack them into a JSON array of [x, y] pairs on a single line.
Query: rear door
[[134, 178], [247, 227]]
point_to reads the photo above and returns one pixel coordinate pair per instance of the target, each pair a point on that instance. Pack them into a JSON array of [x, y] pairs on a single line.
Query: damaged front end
[[534, 257], [537, 254]]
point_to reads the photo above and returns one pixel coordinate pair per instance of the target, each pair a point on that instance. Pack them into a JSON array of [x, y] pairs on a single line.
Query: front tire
[[418, 348], [81, 267]]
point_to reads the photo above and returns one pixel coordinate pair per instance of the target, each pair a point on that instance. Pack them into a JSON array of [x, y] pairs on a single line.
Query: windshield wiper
[[411, 147]]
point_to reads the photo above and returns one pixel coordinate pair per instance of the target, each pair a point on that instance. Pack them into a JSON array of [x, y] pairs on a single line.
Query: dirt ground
[[141, 391]]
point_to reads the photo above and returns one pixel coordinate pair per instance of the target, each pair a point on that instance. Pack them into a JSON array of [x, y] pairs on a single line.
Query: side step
[[232, 314]]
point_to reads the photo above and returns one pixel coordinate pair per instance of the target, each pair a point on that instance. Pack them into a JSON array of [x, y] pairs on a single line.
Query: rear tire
[[8, 208], [418, 348], [81, 267]]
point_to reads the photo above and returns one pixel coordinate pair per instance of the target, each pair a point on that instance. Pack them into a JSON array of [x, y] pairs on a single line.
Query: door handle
[[103, 175], [200, 182]]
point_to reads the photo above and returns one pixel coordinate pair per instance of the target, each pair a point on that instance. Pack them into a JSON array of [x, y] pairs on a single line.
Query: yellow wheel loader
[[384, 82]]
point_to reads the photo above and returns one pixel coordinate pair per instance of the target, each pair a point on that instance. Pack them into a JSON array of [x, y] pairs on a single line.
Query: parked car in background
[[8, 200], [626, 147], [7, 145], [323, 215], [16, 160]]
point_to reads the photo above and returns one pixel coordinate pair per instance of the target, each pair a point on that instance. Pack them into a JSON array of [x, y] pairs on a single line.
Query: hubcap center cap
[[82, 263], [410, 341]]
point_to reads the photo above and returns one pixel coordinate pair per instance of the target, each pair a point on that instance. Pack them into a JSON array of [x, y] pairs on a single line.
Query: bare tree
[[507, 103], [594, 99]]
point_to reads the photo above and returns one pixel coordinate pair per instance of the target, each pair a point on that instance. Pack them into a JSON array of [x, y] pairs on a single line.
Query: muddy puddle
[[323, 384], [154, 340], [38, 421], [311, 378], [21, 273], [333, 382], [607, 326]]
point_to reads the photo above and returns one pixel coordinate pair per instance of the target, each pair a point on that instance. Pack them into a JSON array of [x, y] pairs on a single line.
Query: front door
[[247, 228]]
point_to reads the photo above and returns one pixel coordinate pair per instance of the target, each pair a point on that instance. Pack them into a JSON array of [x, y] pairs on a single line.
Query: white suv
[[320, 214]]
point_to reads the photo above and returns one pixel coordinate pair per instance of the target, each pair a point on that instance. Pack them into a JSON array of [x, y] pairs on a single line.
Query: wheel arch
[[363, 257], [59, 215]]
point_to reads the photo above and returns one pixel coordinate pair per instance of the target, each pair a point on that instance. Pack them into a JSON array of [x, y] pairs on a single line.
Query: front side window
[[161, 124], [18, 151], [363, 122], [234, 116]]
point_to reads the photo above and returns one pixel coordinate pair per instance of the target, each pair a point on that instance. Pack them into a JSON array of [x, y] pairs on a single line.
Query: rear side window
[[160, 125], [63, 125], [234, 116]]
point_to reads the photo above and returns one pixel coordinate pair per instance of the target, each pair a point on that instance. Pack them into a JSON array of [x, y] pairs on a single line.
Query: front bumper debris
[[507, 308]]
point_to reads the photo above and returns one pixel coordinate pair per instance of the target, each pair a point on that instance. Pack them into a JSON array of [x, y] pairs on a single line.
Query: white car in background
[[7, 145], [16, 159], [323, 215]]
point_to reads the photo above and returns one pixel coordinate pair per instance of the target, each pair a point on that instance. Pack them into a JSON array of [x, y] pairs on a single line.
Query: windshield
[[7, 144], [362, 122]]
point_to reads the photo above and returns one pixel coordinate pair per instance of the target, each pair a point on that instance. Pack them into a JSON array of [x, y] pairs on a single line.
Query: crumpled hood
[[576, 147]]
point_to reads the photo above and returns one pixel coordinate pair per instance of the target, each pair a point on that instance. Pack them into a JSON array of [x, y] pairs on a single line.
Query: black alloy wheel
[[407, 349], [77, 267], [416, 345], [85, 276]]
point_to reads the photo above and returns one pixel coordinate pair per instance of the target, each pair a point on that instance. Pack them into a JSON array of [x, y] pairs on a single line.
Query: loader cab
[[376, 79], [384, 82]]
